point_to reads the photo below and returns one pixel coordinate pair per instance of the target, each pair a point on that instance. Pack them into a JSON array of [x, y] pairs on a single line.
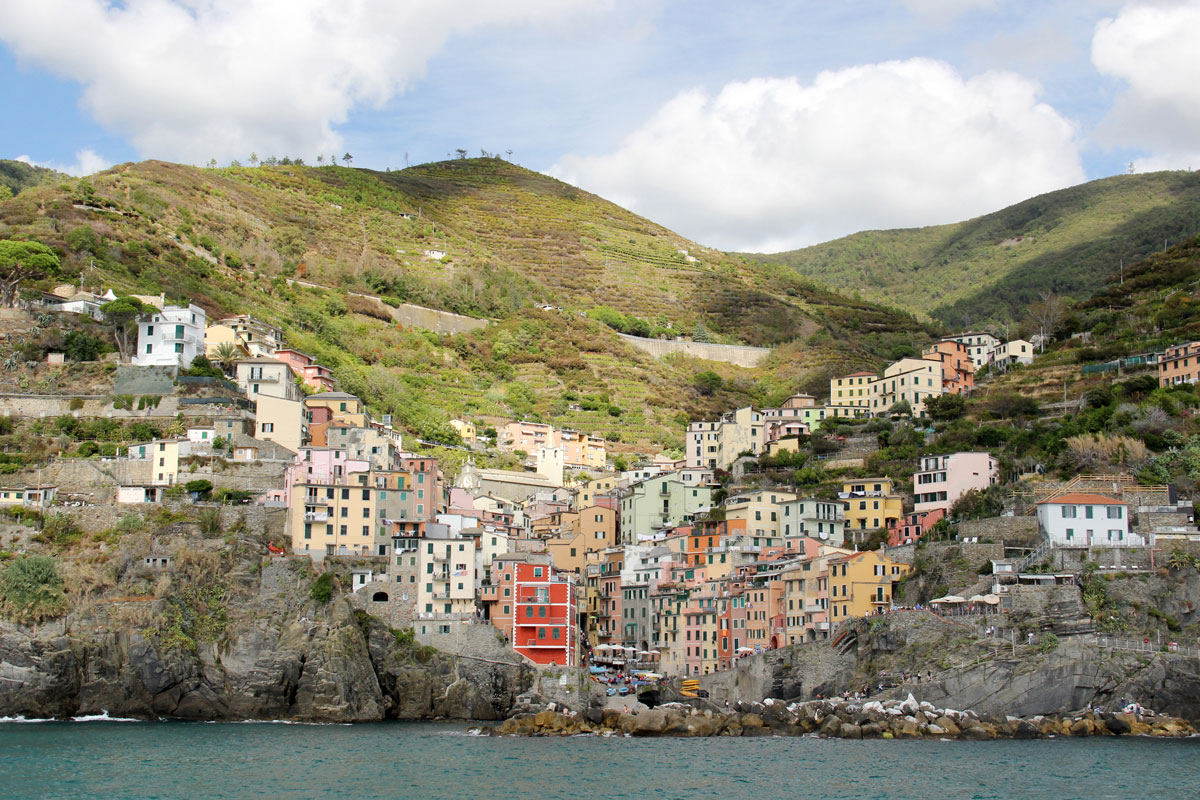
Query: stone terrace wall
[[1007, 529], [741, 355]]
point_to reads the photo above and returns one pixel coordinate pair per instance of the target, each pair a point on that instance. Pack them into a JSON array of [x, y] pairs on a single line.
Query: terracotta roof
[[1083, 498], [857, 374]]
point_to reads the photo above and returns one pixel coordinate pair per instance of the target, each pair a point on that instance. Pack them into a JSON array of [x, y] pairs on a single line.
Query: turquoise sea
[[149, 761]]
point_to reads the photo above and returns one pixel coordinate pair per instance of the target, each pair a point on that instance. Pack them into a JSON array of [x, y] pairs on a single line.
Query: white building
[[1086, 520], [266, 376], [172, 337], [813, 518], [980, 346], [1018, 351]]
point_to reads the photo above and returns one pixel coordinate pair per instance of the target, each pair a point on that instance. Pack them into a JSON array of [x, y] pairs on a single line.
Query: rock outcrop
[[282, 656], [838, 718]]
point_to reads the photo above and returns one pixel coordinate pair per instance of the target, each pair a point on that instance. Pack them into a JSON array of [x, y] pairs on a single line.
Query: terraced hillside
[[989, 269], [479, 237]]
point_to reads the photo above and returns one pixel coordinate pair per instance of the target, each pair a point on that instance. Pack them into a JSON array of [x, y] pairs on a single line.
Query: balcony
[[316, 516]]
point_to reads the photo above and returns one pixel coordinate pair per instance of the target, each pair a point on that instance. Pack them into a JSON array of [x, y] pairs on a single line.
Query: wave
[[103, 716]]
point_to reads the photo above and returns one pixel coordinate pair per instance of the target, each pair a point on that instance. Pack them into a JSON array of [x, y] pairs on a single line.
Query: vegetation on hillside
[[289, 243], [16, 176], [988, 270]]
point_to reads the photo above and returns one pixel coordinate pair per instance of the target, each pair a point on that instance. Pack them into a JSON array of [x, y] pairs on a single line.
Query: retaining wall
[[740, 355]]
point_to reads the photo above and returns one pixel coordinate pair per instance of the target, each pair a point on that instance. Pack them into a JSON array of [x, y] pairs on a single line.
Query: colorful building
[[941, 480]]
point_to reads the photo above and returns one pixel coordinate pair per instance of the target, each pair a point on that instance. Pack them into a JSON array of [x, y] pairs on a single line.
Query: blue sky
[[750, 125]]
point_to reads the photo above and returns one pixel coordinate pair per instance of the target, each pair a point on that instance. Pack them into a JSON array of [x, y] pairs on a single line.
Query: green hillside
[[17, 175], [229, 240], [989, 269]]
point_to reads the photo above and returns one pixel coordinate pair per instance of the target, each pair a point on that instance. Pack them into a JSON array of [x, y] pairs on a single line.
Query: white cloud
[[199, 79], [772, 164], [87, 162], [1152, 48]]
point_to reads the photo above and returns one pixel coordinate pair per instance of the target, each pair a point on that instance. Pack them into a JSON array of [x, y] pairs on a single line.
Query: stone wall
[[1010, 530], [740, 355], [434, 320], [94, 405], [130, 379], [397, 611], [471, 639], [100, 478], [258, 520], [1073, 559]]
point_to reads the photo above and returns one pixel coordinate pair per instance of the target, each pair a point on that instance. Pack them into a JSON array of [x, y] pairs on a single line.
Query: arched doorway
[[379, 597]]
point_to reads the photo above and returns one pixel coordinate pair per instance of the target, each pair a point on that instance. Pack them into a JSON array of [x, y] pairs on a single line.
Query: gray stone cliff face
[[281, 659]]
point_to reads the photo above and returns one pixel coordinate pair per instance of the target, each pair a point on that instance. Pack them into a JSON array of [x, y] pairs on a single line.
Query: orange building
[[958, 370], [1179, 364]]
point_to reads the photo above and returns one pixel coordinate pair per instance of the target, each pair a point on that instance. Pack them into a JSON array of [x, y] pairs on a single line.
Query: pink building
[[911, 527], [313, 374], [942, 480], [321, 465]]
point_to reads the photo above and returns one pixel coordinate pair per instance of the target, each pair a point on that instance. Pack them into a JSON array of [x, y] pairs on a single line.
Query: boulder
[[948, 725], [871, 730], [976, 732], [1081, 727], [848, 730], [650, 723], [1118, 725]]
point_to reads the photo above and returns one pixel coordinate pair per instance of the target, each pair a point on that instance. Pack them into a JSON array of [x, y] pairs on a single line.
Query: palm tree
[[227, 356]]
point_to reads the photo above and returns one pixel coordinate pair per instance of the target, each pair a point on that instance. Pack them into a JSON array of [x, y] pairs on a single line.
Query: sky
[[750, 125]]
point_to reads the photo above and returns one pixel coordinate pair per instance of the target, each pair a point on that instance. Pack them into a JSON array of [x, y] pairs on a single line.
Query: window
[[1068, 512], [1070, 534], [268, 427], [1114, 512], [537, 572], [1087, 511]]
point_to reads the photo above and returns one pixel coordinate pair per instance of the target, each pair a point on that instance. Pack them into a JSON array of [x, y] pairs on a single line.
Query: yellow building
[[592, 529], [465, 429], [852, 390], [861, 584], [343, 407], [279, 420], [761, 513], [869, 504], [351, 515]]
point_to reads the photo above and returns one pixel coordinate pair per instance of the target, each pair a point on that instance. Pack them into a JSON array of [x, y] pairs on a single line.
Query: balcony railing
[[316, 516]]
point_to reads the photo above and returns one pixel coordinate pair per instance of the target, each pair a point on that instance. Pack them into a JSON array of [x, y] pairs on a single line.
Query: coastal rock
[[1118, 725], [650, 723], [1082, 727], [849, 730]]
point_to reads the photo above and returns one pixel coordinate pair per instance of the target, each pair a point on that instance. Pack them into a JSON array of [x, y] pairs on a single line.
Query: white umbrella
[[950, 599], [745, 650], [977, 598], [654, 652], [991, 599], [604, 647]]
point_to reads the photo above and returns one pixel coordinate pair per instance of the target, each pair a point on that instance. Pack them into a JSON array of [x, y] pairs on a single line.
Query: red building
[[534, 607]]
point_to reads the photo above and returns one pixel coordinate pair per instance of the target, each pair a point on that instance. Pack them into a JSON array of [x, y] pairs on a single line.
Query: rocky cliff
[[264, 651]]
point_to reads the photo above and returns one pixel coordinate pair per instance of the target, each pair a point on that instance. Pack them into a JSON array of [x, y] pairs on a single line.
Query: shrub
[[707, 382], [59, 529], [209, 520], [88, 449], [322, 588], [82, 346], [76, 403], [201, 487], [31, 589]]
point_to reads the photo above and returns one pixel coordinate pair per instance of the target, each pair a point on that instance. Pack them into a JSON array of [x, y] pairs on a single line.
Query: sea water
[[198, 761]]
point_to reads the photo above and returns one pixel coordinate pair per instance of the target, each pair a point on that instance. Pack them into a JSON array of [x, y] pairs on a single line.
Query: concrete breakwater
[[837, 718]]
